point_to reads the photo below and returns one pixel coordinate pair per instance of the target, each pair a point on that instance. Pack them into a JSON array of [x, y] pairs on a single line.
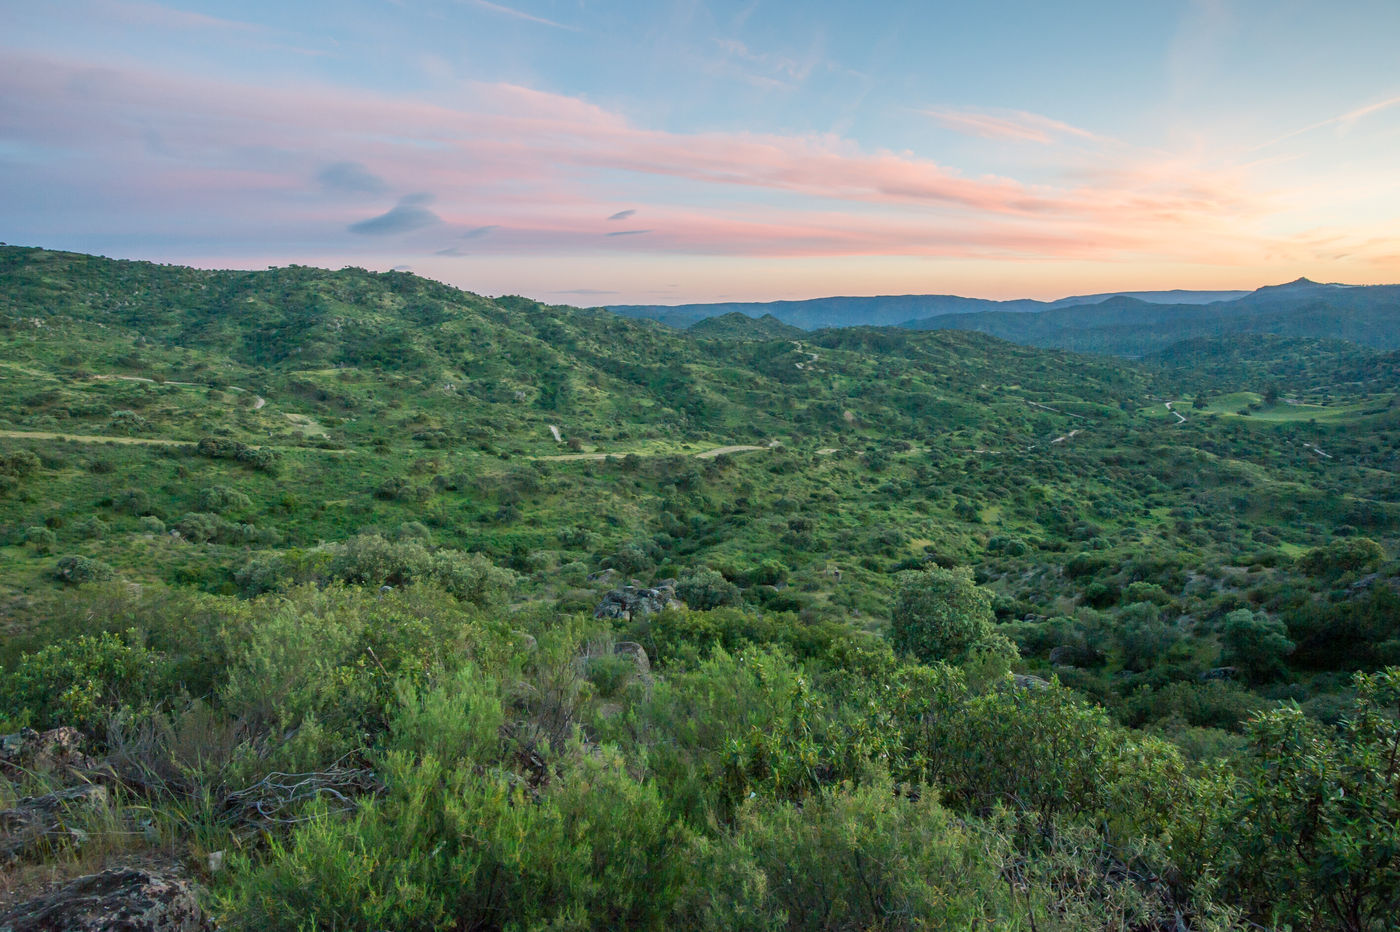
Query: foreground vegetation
[[967, 632]]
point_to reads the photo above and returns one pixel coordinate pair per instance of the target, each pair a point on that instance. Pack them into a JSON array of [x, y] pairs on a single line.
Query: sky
[[588, 152]]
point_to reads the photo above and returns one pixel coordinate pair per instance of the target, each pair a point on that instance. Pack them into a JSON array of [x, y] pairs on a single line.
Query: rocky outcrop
[[638, 655], [1027, 681], [1219, 673], [1075, 655], [123, 900], [38, 823], [28, 751], [633, 601]]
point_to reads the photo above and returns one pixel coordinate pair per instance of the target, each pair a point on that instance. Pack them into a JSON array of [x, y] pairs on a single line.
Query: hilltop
[[888, 310]]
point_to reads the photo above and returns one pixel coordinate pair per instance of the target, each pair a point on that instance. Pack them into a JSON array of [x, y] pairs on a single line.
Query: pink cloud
[[546, 168], [1017, 125]]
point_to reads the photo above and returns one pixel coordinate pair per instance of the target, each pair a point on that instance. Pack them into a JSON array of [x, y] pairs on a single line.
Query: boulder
[[1219, 673], [122, 900], [637, 653], [1075, 655], [632, 601], [36, 823], [1027, 681], [52, 751]]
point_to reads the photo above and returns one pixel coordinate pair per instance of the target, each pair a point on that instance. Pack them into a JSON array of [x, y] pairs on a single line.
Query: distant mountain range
[[1125, 326], [1122, 323], [891, 310]]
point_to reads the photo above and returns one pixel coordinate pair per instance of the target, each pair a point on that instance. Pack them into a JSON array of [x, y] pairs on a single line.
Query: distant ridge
[[890, 310], [1368, 315]]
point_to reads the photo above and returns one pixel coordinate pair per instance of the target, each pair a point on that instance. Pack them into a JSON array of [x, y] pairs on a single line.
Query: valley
[[288, 521]]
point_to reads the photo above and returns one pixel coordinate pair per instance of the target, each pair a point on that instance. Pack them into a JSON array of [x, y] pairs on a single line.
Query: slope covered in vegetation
[[949, 631]]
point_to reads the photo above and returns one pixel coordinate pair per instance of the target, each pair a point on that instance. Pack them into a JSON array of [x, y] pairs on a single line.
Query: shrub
[[849, 858], [222, 500], [1342, 556], [704, 589], [1255, 643], [609, 673], [42, 539], [77, 569], [1314, 831], [81, 681], [92, 528], [939, 614], [19, 463], [136, 502], [456, 720], [455, 849]]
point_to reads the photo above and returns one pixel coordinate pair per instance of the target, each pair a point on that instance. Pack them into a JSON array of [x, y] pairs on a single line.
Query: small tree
[[703, 589], [939, 614], [1256, 644]]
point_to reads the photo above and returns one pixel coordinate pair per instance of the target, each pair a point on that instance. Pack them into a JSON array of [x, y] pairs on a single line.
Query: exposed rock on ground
[[122, 900], [30, 751], [37, 823], [631, 601]]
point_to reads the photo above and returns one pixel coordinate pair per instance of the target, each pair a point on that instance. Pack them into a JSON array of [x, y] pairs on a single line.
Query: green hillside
[[995, 608], [737, 326]]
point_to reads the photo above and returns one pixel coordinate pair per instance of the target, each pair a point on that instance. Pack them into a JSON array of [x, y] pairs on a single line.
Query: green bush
[[704, 589], [42, 539], [456, 720], [448, 848], [1351, 555], [1313, 833], [849, 858], [939, 614], [82, 681], [1255, 643], [78, 569]]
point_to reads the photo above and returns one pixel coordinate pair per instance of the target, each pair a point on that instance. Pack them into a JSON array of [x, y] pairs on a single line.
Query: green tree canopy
[[940, 613]]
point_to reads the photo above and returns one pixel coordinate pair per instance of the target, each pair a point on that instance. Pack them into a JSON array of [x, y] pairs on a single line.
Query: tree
[[1256, 644], [1342, 556], [939, 614], [703, 589], [1313, 838]]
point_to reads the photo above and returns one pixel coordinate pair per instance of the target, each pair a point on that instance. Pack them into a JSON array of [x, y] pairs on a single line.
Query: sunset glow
[[687, 152]]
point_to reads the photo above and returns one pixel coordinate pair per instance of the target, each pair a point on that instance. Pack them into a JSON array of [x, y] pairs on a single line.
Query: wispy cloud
[[351, 178], [155, 14], [622, 215], [1345, 119], [407, 215], [479, 232], [1014, 124], [627, 233], [519, 14]]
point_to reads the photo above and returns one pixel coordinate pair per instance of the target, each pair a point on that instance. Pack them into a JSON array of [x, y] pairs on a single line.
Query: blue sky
[[667, 152]]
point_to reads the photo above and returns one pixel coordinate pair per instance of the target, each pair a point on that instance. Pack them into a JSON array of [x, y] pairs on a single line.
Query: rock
[[123, 900], [216, 861], [30, 751], [630, 601], [638, 654], [1074, 655], [1365, 582], [602, 575], [1219, 673], [39, 822], [1027, 681]]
